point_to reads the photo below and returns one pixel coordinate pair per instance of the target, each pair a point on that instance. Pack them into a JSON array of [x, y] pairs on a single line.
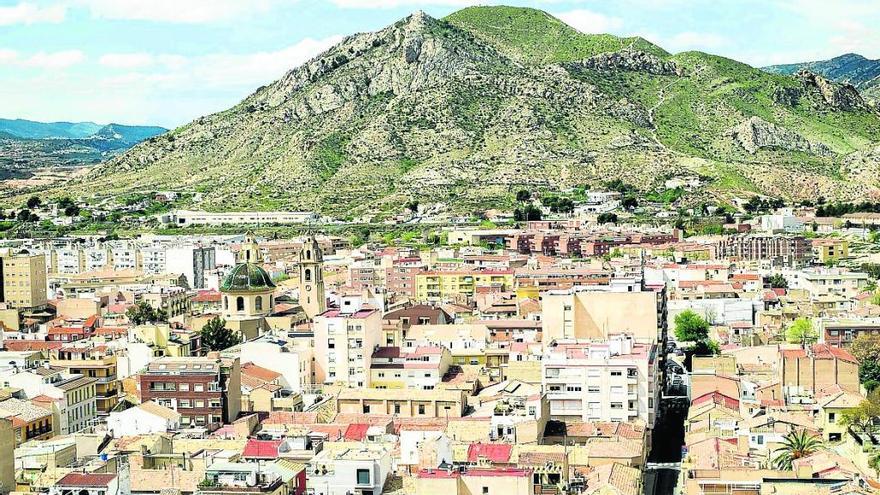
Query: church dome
[[247, 277]]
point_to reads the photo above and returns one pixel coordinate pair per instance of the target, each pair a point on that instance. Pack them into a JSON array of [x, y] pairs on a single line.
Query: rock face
[[841, 96], [756, 133], [861, 72], [462, 113], [630, 60]]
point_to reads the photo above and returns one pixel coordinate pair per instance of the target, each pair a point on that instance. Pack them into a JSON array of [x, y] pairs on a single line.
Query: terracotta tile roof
[[31, 345], [356, 432], [285, 417], [261, 449], [497, 453], [205, 296], [95, 480], [259, 372]]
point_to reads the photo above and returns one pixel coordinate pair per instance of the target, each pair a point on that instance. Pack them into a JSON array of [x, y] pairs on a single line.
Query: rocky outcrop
[[841, 96], [756, 133], [629, 60]]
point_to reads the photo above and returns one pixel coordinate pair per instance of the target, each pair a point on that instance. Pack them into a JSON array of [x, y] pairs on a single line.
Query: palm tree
[[797, 444]]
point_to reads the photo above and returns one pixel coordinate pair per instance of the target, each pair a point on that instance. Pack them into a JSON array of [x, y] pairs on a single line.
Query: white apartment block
[[615, 380], [187, 217], [345, 339]]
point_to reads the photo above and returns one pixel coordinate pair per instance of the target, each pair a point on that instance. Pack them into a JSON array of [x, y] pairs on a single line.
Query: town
[[575, 354]]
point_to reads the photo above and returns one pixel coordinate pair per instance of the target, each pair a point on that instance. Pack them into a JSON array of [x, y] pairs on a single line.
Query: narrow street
[[666, 444]]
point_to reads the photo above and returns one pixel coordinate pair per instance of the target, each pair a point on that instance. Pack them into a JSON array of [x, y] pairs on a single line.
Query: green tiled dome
[[247, 277]]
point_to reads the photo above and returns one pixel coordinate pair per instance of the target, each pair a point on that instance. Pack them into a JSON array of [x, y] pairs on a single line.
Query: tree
[[607, 218], [706, 347], [691, 327], [796, 445], [528, 212], [523, 196], [216, 337], [866, 349], [863, 417], [34, 202], [629, 203], [777, 281], [142, 313], [71, 211], [801, 332]]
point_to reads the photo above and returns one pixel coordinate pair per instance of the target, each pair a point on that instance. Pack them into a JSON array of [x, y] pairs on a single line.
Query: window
[[184, 403], [184, 387], [307, 275], [258, 303], [198, 387], [573, 388], [485, 490], [617, 373], [617, 405], [421, 409], [239, 303], [593, 389], [831, 417], [331, 344], [396, 408], [363, 476]]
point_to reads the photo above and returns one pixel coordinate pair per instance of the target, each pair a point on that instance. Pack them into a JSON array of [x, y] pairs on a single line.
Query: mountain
[[30, 129], [26, 145], [466, 110], [851, 68]]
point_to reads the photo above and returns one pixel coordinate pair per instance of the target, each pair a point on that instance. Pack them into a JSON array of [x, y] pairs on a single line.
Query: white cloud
[[153, 76], [141, 60], [587, 21], [53, 60], [28, 13], [175, 11], [691, 40], [126, 60], [8, 56]]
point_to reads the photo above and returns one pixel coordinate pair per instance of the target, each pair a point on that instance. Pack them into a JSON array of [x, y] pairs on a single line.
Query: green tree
[[71, 211], [526, 213], [629, 203], [865, 416], [796, 445], [777, 281], [866, 349], [34, 202], [142, 313], [522, 196], [801, 332], [691, 327], [607, 218], [216, 337]]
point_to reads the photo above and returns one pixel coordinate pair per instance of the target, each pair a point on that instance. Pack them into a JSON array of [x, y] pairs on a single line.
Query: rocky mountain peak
[[843, 96]]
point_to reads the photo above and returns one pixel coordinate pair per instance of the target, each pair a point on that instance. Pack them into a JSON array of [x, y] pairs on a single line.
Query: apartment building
[[596, 312], [613, 380], [23, 277], [193, 262], [420, 369], [444, 286], [95, 362], [29, 421], [400, 277], [205, 391], [345, 339], [829, 250], [820, 282], [358, 470], [186, 217], [409, 403], [780, 250], [78, 404]]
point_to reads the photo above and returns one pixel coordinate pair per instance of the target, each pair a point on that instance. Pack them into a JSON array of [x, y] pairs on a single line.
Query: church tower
[[311, 279]]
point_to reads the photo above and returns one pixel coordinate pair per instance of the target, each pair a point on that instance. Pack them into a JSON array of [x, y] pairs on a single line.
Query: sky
[[167, 62]]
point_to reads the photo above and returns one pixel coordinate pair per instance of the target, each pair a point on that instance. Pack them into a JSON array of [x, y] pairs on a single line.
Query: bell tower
[[311, 279]]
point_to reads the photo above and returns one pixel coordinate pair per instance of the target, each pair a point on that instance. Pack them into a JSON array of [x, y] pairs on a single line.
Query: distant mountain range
[[852, 68], [29, 129], [27, 145]]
